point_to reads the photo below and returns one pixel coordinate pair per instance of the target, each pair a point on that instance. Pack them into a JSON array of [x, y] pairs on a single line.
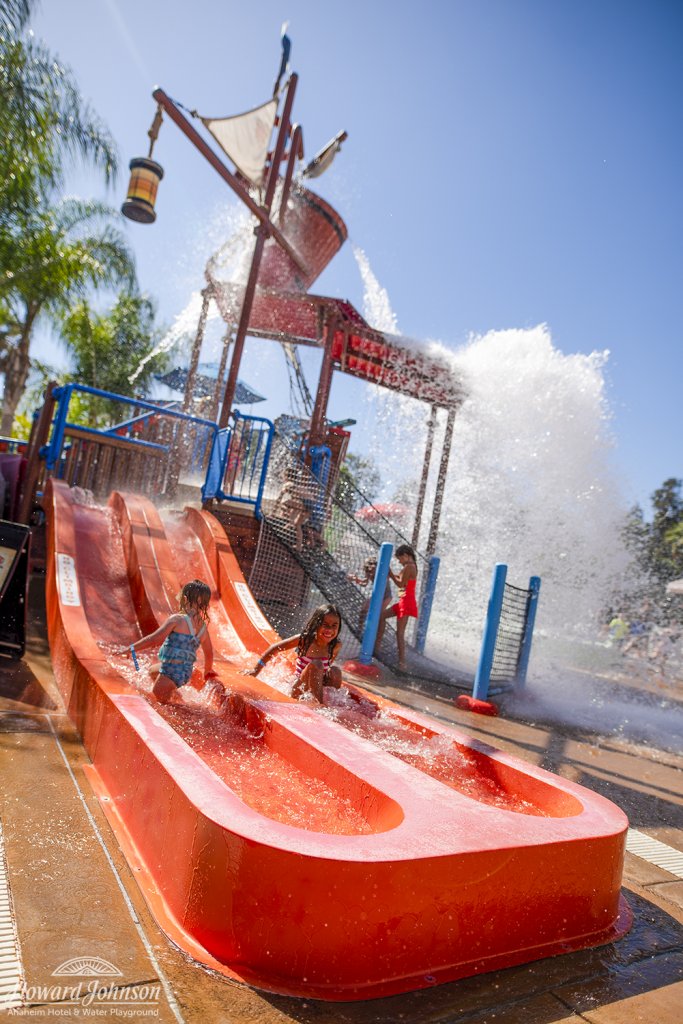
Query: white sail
[[245, 138]]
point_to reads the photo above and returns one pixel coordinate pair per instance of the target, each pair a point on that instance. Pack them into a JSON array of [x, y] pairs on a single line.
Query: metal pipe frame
[[218, 390], [441, 483], [488, 644], [316, 432], [525, 650], [261, 235], [196, 350], [263, 215], [431, 424], [375, 608]]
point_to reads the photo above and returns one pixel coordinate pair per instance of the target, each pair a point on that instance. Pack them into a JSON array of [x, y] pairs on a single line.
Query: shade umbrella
[[205, 383], [388, 510]]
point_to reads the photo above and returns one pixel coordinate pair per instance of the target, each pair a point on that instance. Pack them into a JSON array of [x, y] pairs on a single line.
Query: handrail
[[62, 395], [224, 456], [124, 424], [266, 455], [13, 443], [77, 429]]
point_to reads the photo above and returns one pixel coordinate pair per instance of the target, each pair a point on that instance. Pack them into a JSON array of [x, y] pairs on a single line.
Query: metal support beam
[[441, 483], [431, 423], [218, 390], [262, 232], [263, 214], [196, 350], [316, 434]]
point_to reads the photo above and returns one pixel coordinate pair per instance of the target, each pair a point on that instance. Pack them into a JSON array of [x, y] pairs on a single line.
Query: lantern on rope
[[145, 175]]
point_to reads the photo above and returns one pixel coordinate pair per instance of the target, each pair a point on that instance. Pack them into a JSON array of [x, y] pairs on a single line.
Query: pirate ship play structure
[[291, 829]]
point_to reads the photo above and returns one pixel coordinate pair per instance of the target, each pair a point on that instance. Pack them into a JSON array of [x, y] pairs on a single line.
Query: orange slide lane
[[262, 853]]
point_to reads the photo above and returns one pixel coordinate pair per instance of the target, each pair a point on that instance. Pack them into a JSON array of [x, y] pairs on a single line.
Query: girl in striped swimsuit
[[317, 646]]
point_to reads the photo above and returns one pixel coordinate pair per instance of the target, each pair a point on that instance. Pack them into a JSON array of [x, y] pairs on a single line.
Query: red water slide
[[324, 853]]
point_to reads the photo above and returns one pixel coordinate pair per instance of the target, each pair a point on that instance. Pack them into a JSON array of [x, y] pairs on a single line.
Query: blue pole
[[426, 604], [215, 472], [320, 462], [321, 457], [264, 469], [54, 448], [488, 645], [525, 649], [378, 588]]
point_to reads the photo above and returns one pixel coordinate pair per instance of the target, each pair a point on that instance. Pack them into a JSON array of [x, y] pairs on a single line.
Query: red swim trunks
[[406, 604]]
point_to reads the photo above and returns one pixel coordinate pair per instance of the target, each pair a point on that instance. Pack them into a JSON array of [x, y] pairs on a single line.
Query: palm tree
[[14, 13], [48, 254], [114, 351], [44, 121], [58, 254]]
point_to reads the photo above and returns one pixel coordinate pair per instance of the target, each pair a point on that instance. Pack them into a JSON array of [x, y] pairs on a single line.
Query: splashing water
[[530, 483], [229, 262], [530, 479], [376, 305]]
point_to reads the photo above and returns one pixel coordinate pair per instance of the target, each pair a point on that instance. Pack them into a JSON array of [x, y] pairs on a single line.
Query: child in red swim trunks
[[406, 606]]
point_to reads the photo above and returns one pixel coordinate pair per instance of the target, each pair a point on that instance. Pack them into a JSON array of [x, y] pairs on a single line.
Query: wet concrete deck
[[74, 897]]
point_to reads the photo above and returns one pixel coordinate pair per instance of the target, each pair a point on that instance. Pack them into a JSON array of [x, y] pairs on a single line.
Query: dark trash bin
[[15, 541]]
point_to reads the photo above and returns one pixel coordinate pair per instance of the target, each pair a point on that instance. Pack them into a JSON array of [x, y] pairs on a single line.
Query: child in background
[[368, 577], [182, 635], [317, 646], [406, 606], [291, 505]]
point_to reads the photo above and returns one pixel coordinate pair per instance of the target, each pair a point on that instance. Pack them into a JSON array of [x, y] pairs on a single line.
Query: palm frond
[[43, 115], [14, 14]]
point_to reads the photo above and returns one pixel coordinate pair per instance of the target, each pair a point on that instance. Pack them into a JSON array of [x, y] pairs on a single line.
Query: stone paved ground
[[74, 894]]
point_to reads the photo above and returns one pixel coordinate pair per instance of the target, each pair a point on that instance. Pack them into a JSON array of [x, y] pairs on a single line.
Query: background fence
[[508, 632], [155, 451], [312, 543]]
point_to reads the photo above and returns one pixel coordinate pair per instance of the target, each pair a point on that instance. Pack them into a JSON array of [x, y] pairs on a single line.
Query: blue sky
[[509, 163]]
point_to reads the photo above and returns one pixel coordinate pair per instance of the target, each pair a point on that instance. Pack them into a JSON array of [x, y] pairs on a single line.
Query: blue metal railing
[[52, 452], [12, 445], [488, 643], [216, 468], [525, 651], [238, 464], [138, 442], [321, 462], [508, 632]]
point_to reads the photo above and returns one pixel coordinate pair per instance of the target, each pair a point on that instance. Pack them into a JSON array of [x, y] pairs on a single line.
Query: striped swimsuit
[[302, 661]]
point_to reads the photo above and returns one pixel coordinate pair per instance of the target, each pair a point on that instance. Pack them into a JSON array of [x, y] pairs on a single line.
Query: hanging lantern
[[145, 175]]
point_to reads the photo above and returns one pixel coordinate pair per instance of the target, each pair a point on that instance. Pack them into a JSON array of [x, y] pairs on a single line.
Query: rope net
[[312, 550], [511, 629]]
